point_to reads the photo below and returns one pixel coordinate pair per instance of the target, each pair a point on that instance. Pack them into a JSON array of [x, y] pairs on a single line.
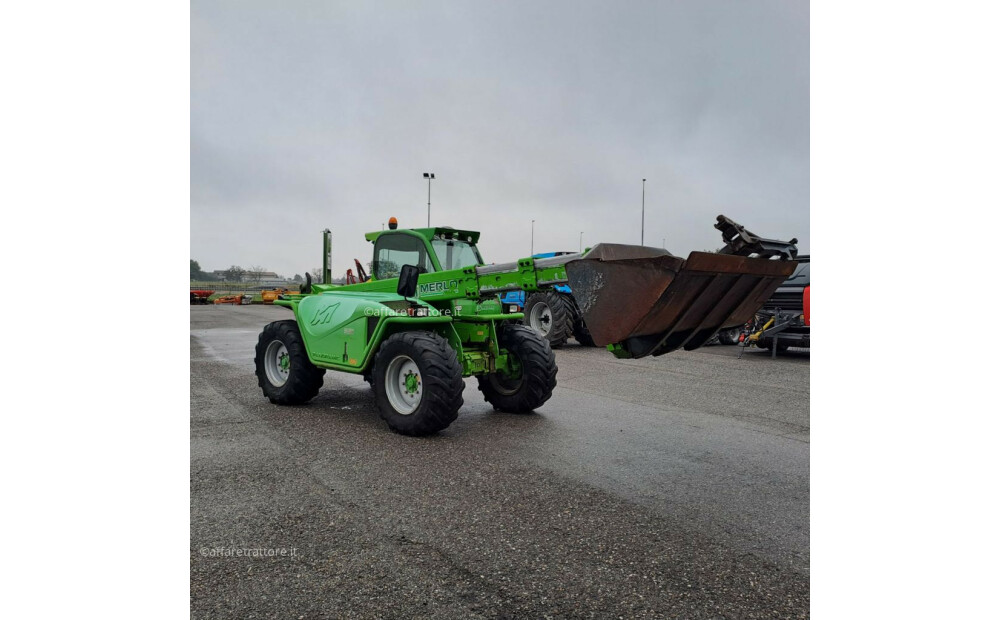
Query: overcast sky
[[308, 115]]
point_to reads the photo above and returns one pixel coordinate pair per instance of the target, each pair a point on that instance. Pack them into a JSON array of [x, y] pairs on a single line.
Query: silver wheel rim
[[277, 363], [541, 318], [403, 385]]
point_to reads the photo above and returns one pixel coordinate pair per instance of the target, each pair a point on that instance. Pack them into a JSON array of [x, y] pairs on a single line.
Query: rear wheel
[[418, 383], [767, 343], [283, 369], [730, 336], [549, 314], [533, 377]]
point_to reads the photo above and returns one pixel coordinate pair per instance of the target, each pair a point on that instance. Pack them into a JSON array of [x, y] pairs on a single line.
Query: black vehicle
[[783, 321]]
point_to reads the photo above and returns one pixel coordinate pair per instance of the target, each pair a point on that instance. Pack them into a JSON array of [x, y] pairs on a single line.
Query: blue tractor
[[552, 312]]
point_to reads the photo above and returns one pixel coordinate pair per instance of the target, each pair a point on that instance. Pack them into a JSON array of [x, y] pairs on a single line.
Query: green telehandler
[[430, 316]]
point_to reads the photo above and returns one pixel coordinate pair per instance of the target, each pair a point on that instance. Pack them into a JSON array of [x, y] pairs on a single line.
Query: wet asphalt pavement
[[671, 487]]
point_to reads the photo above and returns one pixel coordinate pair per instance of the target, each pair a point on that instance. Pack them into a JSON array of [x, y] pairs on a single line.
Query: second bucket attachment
[[650, 302]]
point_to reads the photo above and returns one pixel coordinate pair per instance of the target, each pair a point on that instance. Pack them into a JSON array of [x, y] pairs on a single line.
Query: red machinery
[[200, 296]]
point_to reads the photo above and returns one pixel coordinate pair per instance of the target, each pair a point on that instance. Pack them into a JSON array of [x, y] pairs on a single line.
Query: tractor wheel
[[418, 383], [284, 371], [582, 334], [579, 327], [535, 367], [767, 343], [730, 336], [550, 315]]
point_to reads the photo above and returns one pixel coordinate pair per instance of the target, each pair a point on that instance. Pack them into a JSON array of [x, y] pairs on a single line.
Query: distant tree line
[[235, 273], [197, 273]]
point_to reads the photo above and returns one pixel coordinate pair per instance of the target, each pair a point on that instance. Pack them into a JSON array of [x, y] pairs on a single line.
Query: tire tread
[[539, 363], [304, 382], [562, 315], [442, 379]]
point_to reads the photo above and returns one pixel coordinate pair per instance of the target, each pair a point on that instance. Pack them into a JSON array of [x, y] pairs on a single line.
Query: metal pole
[[532, 237], [581, 240], [642, 233], [327, 267], [428, 176]]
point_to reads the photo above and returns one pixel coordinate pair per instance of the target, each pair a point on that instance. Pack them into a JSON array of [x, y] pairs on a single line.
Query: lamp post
[[428, 176], [581, 240], [642, 230], [532, 238]]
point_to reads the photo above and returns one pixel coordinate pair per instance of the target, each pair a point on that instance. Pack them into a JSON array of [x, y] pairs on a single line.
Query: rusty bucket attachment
[[650, 302]]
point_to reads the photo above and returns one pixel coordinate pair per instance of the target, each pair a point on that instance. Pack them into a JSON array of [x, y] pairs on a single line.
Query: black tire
[[579, 326], [730, 336], [765, 343], [301, 380], [538, 372], [582, 334], [549, 314], [438, 383]]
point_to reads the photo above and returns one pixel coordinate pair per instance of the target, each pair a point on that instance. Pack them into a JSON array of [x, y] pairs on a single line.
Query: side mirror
[[407, 286], [307, 288]]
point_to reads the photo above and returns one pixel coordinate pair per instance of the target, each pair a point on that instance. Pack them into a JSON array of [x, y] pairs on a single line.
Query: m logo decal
[[324, 315]]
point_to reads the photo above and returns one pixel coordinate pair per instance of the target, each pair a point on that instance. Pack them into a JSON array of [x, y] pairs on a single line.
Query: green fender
[[342, 330]]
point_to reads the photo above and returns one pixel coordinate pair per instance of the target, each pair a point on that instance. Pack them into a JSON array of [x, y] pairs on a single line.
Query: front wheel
[[582, 334], [283, 369], [418, 383], [532, 377]]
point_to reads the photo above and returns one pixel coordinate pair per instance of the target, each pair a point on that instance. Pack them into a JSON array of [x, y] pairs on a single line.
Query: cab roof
[[446, 232]]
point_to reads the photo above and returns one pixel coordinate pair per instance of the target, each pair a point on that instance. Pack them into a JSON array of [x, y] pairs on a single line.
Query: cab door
[[394, 250]]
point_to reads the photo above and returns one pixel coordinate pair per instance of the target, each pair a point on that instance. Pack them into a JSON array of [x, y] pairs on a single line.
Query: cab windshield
[[455, 254]]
